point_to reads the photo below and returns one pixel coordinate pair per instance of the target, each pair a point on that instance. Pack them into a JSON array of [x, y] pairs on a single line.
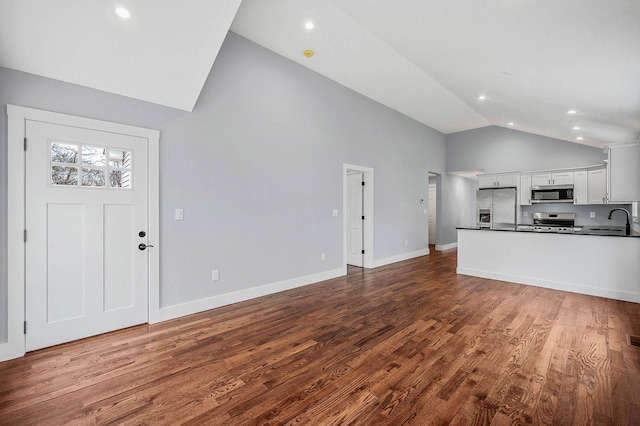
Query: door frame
[[348, 213], [367, 211], [16, 169]]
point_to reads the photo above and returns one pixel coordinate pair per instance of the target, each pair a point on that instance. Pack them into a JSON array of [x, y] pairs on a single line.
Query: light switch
[[335, 212], [592, 215], [179, 214]]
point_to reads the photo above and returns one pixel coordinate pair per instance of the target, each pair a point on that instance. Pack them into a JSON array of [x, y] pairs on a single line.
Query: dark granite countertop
[[604, 231]]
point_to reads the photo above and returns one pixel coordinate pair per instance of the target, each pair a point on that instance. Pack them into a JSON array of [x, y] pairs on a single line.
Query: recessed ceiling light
[[123, 12], [482, 97], [576, 127], [511, 123], [579, 138], [571, 111], [309, 25]]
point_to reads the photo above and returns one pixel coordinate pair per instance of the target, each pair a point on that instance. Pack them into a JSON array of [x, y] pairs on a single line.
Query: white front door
[[86, 214], [354, 205]]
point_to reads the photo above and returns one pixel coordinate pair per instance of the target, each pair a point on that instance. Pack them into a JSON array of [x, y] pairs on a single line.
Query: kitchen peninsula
[[596, 262]]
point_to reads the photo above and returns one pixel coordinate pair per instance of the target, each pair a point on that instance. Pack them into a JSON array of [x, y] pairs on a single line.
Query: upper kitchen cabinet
[[498, 181], [580, 187], [558, 178], [597, 186], [623, 172]]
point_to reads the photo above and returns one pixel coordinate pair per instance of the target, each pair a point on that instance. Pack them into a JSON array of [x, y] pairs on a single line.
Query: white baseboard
[[443, 247], [399, 258], [188, 308], [554, 285]]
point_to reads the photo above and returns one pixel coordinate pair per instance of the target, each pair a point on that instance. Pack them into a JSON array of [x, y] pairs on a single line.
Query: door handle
[[143, 246]]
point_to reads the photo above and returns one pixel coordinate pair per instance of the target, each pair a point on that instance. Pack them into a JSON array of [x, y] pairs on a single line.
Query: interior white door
[[431, 210], [86, 212], [354, 206]]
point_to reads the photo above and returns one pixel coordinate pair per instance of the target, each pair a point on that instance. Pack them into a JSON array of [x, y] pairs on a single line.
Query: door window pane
[[64, 175], [119, 158], [64, 153], [93, 177], [92, 156], [119, 178]]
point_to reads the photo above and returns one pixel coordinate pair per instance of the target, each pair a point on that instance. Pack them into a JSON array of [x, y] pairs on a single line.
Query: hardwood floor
[[409, 343]]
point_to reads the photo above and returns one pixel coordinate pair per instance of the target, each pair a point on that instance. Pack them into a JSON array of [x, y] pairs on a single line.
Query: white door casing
[[367, 212], [86, 205], [354, 213], [15, 344]]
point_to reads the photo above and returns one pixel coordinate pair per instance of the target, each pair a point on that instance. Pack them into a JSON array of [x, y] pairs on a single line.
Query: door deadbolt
[[142, 234], [143, 246]]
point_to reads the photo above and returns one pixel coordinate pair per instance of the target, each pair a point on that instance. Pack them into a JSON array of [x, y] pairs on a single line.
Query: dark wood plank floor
[[409, 343]]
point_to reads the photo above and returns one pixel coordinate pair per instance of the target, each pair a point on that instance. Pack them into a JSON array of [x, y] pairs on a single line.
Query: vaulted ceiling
[[532, 61]]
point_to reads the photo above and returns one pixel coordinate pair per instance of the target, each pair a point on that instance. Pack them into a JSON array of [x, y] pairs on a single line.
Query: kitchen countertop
[[604, 231], [596, 265]]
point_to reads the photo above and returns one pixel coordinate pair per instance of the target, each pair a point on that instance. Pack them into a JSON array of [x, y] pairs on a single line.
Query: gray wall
[[257, 168], [462, 203], [497, 149]]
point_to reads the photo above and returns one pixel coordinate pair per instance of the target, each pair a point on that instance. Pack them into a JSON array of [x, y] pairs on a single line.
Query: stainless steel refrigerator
[[496, 208]]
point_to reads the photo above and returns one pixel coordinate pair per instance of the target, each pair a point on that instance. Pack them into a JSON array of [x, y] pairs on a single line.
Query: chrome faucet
[[628, 216]]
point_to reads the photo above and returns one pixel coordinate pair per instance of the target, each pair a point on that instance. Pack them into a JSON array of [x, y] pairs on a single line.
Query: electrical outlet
[[334, 213], [525, 214], [592, 215], [215, 275], [323, 257]]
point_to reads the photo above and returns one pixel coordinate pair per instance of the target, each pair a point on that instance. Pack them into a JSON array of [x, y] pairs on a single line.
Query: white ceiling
[[163, 54], [429, 59]]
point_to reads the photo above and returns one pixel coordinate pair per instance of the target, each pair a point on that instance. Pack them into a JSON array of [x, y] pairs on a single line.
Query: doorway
[[358, 216], [85, 203], [432, 209], [355, 219]]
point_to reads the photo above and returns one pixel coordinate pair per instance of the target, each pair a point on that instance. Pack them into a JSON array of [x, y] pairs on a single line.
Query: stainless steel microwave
[[552, 194]]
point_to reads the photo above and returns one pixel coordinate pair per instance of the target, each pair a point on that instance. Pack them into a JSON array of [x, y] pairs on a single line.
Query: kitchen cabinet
[[558, 178], [525, 190], [498, 181], [597, 186], [581, 187], [623, 172]]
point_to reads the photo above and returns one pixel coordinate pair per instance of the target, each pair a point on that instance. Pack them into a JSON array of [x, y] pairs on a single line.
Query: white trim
[[188, 308], [400, 257], [367, 212], [443, 247], [17, 117], [554, 285], [15, 345]]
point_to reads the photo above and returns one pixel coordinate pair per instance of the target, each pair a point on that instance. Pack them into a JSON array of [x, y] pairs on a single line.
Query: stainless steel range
[[554, 222]]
